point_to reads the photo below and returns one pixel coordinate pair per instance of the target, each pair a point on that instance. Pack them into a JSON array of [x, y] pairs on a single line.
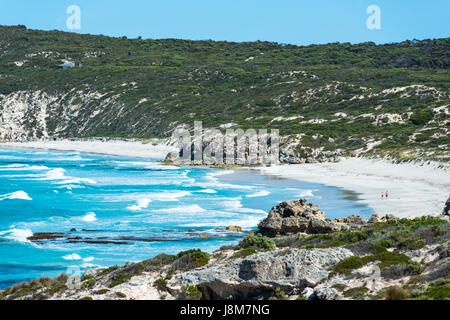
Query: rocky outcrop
[[294, 216], [446, 211], [260, 274]]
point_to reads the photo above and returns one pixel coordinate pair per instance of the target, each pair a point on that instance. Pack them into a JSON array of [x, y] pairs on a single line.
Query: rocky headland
[[296, 254]]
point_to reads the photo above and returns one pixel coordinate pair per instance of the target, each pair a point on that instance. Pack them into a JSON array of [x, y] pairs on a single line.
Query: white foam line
[[183, 209], [20, 235], [18, 195], [261, 193]]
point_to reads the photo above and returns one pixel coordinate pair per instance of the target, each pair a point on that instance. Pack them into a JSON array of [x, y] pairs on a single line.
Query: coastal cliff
[[305, 257]]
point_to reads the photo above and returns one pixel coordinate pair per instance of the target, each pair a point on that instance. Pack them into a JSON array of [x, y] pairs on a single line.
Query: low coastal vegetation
[[383, 258], [364, 98]]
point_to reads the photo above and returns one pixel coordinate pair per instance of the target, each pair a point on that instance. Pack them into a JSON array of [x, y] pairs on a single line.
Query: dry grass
[[396, 293]]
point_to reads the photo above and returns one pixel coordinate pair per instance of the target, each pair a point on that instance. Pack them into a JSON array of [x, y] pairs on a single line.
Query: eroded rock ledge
[[298, 216]]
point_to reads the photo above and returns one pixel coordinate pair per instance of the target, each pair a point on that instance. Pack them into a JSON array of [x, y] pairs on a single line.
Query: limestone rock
[[234, 228], [259, 275], [326, 294], [291, 216]]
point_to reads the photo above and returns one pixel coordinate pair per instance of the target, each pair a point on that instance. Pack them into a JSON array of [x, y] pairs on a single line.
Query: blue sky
[[285, 21]]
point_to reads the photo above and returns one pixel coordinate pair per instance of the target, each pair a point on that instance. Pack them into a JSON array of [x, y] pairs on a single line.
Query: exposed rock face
[[234, 228], [34, 115], [446, 211], [260, 274], [327, 294], [294, 216], [297, 216]]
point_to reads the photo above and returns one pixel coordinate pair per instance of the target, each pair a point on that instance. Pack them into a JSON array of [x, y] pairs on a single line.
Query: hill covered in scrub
[[354, 98]]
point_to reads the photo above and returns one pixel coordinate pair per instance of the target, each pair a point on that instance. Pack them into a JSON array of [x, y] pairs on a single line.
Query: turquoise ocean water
[[142, 207]]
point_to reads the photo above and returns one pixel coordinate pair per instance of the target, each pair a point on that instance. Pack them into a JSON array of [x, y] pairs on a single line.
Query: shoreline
[[415, 189], [117, 147]]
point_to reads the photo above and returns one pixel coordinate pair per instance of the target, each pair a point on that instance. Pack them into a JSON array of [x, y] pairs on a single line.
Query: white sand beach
[[414, 189], [113, 147]]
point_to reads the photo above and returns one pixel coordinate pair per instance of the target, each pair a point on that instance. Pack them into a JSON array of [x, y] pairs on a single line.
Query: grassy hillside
[[341, 96]]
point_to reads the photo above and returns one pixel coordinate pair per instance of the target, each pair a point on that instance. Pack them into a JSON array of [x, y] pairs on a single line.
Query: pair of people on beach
[[384, 195]]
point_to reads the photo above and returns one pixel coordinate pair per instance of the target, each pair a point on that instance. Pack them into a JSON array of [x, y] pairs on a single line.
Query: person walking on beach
[[386, 194], [382, 195]]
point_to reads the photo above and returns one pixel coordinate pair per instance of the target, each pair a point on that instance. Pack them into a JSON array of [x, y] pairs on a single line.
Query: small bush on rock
[[190, 293], [190, 259], [258, 242]]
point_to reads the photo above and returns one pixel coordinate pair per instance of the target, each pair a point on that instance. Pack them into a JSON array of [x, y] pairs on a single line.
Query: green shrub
[[356, 293], [421, 117], [119, 279], [58, 288], [193, 258], [190, 293], [386, 259], [279, 295], [389, 258], [88, 284], [87, 298], [349, 264], [102, 291], [160, 284], [339, 286], [243, 253], [258, 242], [383, 245], [411, 244], [121, 294], [438, 292]]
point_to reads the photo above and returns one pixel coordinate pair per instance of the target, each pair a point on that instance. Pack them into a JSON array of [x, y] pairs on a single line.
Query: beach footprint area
[[68, 210]]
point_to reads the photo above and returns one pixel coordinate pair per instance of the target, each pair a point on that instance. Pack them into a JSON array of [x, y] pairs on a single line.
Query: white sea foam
[[236, 206], [141, 204], [20, 235], [183, 209], [162, 196], [24, 167], [306, 193], [18, 195], [207, 191], [261, 193], [220, 173], [73, 256], [89, 217], [185, 176], [144, 164], [59, 174], [213, 182], [87, 259]]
